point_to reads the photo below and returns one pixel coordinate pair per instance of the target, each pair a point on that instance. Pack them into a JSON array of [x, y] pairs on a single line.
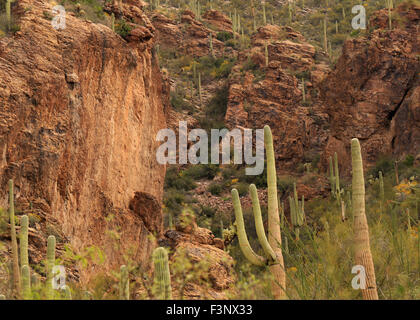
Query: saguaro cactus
[[266, 54], [338, 190], [211, 45], [8, 14], [26, 282], [24, 261], [272, 246], [113, 21], [325, 34], [264, 13], [362, 252], [162, 280], [303, 90], [381, 190], [124, 284], [15, 254], [50, 265]]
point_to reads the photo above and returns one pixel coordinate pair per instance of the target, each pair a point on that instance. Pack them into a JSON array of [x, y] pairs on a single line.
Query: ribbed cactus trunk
[[124, 284], [24, 224], [162, 279], [274, 233], [15, 254], [50, 265], [362, 252], [8, 14], [26, 283]]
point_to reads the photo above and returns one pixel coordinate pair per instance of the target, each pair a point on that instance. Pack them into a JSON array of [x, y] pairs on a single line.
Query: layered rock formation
[[80, 109]]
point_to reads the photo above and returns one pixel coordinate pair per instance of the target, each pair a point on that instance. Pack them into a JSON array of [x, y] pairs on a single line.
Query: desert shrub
[[176, 180], [215, 189], [202, 171], [224, 36]]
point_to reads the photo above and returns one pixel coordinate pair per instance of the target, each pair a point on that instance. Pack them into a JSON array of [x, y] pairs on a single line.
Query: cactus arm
[[259, 226], [242, 237], [362, 251]]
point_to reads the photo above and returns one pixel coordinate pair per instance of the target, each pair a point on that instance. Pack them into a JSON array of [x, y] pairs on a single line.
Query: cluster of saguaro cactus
[[236, 23], [195, 7], [124, 283], [162, 289], [272, 247], [297, 211], [362, 252], [21, 276]]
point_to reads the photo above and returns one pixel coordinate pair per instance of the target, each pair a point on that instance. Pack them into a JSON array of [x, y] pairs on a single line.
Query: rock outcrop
[[272, 94], [192, 245], [371, 94], [377, 100], [79, 111], [189, 36]]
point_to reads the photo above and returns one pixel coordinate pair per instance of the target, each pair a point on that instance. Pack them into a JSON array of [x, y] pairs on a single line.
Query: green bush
[[224, 36], [215, 189]]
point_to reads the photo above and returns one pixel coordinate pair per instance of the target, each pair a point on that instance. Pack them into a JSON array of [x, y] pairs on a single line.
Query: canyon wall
[[79, 112]]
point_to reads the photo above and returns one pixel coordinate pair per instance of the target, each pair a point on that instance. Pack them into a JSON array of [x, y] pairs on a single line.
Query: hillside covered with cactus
[[92, 91]]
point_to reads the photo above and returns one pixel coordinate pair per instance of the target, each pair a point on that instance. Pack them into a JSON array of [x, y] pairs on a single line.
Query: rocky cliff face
[[79, 110], [371, 94], [189, 36], [272, 93], [377, 100]]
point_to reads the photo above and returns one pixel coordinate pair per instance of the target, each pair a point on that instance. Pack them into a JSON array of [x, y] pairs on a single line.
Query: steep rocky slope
[[270, 92], [377, 99], [80, 109], [372, 92]]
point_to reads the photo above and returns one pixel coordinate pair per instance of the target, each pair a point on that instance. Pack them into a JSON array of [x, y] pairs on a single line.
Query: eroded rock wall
[[79, 112]]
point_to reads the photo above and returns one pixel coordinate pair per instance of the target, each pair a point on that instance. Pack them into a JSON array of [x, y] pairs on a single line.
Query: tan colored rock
[[80, 109]]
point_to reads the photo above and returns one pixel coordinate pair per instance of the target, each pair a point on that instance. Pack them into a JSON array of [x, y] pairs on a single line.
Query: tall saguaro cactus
[[124, 284], [8, 14], [26, 282], [50, 265], [362, 252], [15, 254], [162, 280], [272, 246], [24, 223]]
